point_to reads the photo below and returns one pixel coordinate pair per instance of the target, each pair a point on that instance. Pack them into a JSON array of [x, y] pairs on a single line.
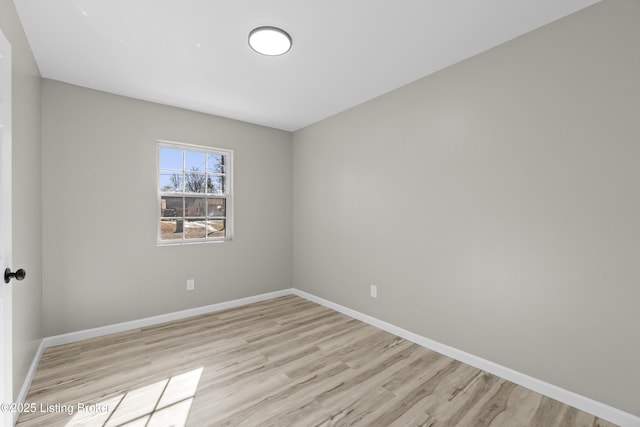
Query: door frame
[[6, 331]]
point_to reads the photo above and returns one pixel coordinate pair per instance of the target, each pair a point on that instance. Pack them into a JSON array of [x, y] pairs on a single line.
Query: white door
[[6, 374]]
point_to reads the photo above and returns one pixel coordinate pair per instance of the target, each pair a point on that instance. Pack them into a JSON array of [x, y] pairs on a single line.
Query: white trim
[[22, 395], [6, 230], [155, 320], [600, 410]]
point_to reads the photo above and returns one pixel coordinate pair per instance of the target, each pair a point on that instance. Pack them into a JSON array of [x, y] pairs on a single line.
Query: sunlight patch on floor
[[164, 403]]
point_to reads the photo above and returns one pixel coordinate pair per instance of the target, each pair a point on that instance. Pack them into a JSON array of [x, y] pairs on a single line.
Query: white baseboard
[[600, 410], [22, 395], [154, 320]]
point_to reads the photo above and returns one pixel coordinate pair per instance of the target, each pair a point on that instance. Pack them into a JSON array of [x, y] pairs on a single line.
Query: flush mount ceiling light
[[270, 41]]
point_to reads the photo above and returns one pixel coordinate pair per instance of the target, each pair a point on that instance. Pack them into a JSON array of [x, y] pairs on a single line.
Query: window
[[194, 193]]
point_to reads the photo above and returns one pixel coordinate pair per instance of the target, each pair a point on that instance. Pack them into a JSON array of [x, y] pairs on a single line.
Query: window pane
[[215, 228], [193, 192], [195, 206], [216, 184], [195, 228], [171, 207], [195, 182], [171, 229], [194, 161], [215, 163], [171, 181], [216, 207], [170, 158]]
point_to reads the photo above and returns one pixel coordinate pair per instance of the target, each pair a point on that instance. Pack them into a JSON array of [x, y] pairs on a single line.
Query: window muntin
[[194, 193]]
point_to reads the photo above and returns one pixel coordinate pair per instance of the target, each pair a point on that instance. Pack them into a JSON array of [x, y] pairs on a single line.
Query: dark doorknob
[[19, 275]]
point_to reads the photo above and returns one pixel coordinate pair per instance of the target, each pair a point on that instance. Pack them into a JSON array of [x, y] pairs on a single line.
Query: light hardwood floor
[[282, 362]]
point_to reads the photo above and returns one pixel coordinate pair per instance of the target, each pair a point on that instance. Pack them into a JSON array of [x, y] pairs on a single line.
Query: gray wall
[[26, 188], [495, 205], [101, 261]]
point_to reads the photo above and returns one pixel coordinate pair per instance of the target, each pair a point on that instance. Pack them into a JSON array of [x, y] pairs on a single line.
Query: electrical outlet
[[374, 291], [191, 284]]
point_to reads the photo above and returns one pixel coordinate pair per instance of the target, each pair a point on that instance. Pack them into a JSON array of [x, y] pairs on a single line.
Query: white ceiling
[[194, 53]]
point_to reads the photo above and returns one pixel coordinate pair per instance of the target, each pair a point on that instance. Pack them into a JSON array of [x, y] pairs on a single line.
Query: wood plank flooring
[[282, 362]]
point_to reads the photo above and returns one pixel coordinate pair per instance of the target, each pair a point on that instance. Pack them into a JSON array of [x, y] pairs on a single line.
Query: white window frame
[[228, 194]]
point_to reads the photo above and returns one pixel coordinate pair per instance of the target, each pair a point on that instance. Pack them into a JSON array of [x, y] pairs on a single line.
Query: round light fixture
[[270, 41]]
